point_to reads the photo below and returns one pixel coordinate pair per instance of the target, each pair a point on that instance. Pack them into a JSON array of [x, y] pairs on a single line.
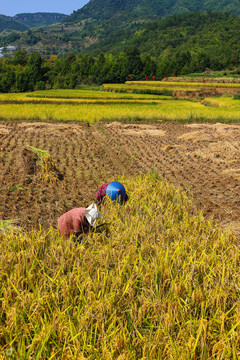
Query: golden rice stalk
[[45, 168], [9, 226]]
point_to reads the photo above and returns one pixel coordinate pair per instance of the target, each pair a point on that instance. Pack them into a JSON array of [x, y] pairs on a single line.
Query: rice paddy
[[89, 94], [92, 105], [139, 87], [157, 283], [184, 84], [160, 280]]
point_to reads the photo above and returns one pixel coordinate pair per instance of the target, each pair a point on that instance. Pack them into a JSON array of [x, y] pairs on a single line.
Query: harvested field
[[201, 158]]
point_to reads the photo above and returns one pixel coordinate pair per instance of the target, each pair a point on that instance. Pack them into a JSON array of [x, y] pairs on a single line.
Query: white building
[[12, 48], [8, 48]]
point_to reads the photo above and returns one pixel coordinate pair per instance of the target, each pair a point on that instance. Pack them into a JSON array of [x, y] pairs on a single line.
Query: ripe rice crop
[[79, 101], [171, 110], [41, 164], [183, 84], [157, 282], [148, 89], [75, 95], [86, 94], [225, 101]]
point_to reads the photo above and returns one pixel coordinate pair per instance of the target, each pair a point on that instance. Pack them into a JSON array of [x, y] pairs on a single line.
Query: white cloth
[[91, 213]]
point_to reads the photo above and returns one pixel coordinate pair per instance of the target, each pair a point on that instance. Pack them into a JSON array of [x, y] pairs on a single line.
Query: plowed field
[[201, 158]]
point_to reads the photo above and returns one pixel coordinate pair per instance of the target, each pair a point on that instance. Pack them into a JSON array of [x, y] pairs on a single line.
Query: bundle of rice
[[39, 164]]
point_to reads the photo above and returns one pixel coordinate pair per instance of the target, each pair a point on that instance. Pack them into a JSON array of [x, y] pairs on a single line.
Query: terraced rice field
[[157, 280], [202, 158], [184, 84], [179, 89], [81, 105]]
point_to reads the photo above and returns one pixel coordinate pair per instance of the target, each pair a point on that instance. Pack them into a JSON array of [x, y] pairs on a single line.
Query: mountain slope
[[194, 32], [105, 9], [39, 19], [8, 23], [215, 33]]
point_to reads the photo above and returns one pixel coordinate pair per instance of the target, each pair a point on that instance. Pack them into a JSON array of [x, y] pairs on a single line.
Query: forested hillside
[[194, 31], [202, 35], [8, 23], [215, 47], [105, 9], [93, 52], [198, 41], [39, 19]]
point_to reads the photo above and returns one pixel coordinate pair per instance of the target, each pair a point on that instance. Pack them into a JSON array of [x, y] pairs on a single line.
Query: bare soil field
[[203, 159]]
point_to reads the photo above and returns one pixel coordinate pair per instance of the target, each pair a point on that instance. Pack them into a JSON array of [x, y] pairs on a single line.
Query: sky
[[13, 7]]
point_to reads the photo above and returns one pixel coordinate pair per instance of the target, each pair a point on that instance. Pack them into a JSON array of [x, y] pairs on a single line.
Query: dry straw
[[40, 164]]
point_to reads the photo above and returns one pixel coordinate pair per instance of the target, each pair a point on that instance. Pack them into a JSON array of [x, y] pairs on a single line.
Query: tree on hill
[[8, 23], [106, 9], [34, 70]]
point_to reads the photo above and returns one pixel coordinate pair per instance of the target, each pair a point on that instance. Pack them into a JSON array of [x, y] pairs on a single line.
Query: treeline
[[28, 72]]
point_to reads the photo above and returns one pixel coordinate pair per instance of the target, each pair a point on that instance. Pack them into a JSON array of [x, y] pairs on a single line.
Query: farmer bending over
[[114, 190], [78, 221]]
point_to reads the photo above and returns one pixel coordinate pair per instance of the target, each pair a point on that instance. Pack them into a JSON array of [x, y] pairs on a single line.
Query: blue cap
[[115, 190]]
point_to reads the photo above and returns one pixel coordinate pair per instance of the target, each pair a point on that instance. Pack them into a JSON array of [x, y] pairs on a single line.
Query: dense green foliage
[[183, 42], [26, 72], [210, 39], [179, 44], [39, 19], [192, 32], [8, 23], [102, 10]]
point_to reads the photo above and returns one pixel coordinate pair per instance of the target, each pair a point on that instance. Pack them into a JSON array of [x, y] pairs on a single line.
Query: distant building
[[11, 48], [7, 48]]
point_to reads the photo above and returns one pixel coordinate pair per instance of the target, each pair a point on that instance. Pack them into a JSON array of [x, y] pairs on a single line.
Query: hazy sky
[[13, 7]]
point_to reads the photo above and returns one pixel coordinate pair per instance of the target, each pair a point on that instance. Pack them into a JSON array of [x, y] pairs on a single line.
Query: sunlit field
[[151, 87], [156, 282], [184, 84], [86, 105], [89, 94]]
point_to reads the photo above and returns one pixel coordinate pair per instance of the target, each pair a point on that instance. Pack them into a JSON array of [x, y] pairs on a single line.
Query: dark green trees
[[34, 70]]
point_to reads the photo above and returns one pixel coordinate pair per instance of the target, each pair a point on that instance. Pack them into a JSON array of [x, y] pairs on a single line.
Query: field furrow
[[202, 159]]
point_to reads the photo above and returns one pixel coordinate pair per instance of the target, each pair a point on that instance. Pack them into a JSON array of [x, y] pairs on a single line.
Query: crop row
[[79, 101], [148, 89], [180, 110], [183, 84], [87, 94]]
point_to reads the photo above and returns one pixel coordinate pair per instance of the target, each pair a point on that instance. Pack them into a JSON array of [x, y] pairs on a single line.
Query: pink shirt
[[71, 222]]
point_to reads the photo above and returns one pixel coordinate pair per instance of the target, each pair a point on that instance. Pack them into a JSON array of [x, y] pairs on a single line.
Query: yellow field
[[226, 108], [88, 94], [157, 280], [156, 283], [184, 84], [151, 87]]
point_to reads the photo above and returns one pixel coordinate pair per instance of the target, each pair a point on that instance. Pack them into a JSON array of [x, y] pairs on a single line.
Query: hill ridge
[[106, 9]]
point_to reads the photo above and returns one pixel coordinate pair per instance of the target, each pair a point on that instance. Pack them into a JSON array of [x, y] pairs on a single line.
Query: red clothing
[[101, 193], [72, 222]]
